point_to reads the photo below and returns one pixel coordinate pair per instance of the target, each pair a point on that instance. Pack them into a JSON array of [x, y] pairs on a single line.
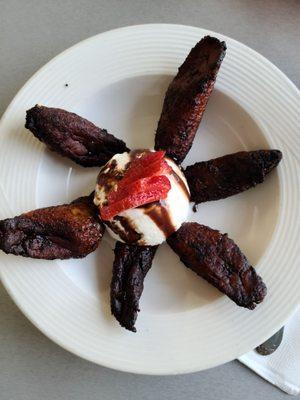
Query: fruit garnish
[[143, 182], [150, 163], [141, 162], [146, 190], [146, 165]]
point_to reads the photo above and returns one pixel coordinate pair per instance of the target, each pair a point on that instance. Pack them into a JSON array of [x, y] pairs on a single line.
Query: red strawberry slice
[[143, 182], [133, 187], [143, 191], [144, 159], [147, 165], [127, 186]]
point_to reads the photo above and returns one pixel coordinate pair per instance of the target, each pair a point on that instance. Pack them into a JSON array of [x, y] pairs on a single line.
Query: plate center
[[130, 110]]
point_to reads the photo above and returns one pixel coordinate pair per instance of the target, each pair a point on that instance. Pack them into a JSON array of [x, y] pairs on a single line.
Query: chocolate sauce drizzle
[[128, 234], [159, 214]]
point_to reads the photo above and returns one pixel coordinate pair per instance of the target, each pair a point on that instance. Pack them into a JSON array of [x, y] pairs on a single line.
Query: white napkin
[[282, 368]]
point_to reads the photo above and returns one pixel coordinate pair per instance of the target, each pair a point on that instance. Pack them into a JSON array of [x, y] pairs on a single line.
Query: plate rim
[[152, 25]]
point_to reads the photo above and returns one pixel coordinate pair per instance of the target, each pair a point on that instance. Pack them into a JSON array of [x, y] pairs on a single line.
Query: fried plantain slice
[[130, 268], [186, 98], [65, 231], [72, 136], [217, 259], [231, 174]]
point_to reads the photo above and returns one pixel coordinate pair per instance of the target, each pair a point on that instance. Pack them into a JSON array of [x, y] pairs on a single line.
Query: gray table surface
[[31, 33]]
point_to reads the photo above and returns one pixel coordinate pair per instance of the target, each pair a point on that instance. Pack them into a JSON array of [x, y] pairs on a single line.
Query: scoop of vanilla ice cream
[[149, 224]]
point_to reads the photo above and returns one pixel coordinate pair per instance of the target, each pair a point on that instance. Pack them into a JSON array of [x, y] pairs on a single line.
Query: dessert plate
[[117, 80]]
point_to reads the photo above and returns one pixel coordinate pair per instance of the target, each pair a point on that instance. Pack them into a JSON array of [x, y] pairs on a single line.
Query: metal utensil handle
[[270, 345]]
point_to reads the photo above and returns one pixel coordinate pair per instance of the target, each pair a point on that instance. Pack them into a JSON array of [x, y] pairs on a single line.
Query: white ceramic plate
[[117, 80]]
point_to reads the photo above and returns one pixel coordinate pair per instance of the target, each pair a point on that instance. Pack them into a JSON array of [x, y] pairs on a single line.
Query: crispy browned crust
[[66, 231], [187, 96], [130, 267], [72, 136], [231, 174], [217, 259]]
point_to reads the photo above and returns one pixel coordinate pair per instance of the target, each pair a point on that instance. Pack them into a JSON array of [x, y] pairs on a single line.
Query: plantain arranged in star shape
[[74, 230]]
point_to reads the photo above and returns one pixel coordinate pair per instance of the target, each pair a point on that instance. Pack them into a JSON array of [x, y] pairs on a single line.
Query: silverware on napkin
[[270, 345]]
